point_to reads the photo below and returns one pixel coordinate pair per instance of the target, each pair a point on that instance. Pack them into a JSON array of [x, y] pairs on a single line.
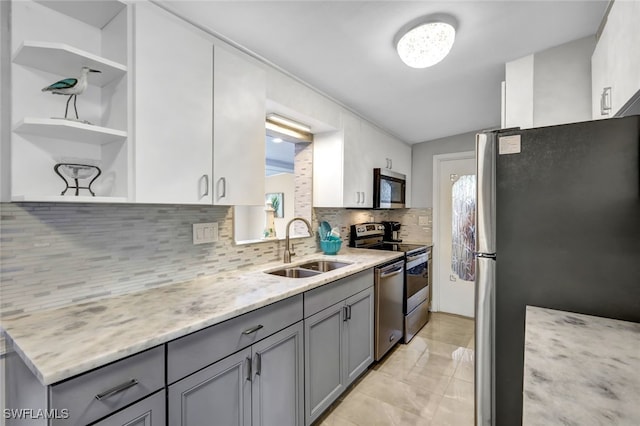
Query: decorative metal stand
[[77, 172]]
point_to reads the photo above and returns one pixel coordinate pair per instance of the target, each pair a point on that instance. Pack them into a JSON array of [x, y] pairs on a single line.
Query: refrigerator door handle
[[484, 340], [486, 190]]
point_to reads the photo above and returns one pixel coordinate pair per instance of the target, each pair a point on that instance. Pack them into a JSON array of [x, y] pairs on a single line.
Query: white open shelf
[[67, 198], [94, 13], [69, 130], [67, 61]]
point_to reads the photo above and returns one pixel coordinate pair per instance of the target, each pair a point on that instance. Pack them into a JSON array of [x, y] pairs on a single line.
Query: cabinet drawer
[[93, 395], [197, 350], [150, 411], [322, 297]]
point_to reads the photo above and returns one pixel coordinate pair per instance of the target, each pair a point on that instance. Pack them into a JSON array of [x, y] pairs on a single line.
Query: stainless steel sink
[[323, 265], [309, 269], [295, 272]]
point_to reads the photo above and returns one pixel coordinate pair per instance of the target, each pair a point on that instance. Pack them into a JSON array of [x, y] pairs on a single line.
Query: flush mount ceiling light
[[426, 42]]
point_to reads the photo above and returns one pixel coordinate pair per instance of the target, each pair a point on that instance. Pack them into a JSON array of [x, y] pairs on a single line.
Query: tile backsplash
[[411, 230], [56, 254]]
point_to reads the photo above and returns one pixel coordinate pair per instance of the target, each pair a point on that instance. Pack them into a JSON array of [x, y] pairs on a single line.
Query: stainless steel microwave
[[389, 189]]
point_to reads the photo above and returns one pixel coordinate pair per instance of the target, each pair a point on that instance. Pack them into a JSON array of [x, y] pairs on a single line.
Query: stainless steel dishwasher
[[389, 288]]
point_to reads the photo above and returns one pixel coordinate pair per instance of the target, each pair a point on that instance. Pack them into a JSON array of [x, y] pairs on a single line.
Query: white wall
[[550, 87], [422, 164], [519, 92], [562, 83], [249, 221], [283, 182], [5, 100]]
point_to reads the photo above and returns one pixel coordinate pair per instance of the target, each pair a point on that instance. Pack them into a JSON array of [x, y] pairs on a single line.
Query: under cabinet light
[[288, 122]]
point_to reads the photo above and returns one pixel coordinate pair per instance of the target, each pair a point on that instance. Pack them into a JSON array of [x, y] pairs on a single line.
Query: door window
[[463, 226]]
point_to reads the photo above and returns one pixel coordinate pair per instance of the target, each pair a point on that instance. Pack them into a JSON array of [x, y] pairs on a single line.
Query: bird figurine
[[72, 87]]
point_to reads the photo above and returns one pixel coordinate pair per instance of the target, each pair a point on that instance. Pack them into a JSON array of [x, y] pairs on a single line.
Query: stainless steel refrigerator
[[558, 226]]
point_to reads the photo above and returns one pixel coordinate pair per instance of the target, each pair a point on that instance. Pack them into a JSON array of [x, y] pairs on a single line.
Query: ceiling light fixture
[[276, 140], [426, 41]]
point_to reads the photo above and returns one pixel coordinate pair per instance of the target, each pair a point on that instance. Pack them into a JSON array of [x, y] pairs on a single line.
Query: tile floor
[[428, 382]]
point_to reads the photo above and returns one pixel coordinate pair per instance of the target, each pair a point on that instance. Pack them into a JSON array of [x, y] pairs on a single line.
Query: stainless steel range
[[417, 280]]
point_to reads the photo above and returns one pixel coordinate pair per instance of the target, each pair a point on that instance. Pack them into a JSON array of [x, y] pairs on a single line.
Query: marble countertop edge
[[112, 323]]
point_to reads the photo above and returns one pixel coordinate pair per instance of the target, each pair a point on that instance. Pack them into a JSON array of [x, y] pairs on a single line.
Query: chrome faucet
[[287, 250]]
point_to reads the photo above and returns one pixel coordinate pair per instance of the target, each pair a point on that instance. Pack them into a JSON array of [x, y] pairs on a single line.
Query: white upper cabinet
[[239, 99], [386, 151], [342, 172], [51, 41], [616, 61], [173, 109], [343, 163]]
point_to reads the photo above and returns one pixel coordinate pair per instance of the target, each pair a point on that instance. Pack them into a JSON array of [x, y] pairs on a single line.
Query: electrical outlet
[[205, 233], [422, 221]]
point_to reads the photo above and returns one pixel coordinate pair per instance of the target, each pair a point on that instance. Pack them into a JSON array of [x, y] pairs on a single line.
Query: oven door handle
[[392, 272]]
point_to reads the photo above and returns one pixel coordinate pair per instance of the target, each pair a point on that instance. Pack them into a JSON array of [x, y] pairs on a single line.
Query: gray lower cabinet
[[324, 354], [338, 348], [359, 335], [148, 412], [261, 385], [114, 393]]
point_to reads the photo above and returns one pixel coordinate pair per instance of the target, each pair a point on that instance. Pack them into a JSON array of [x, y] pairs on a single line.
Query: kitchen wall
[[550, 87], [55, 254], [5, 99], [411, 230], [422, 164]]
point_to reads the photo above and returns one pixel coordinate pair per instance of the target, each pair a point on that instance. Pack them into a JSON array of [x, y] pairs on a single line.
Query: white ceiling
[[345, 49]]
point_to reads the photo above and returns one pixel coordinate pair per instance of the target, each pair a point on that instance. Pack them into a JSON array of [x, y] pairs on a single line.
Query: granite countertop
[[580, 370], [60, 343]]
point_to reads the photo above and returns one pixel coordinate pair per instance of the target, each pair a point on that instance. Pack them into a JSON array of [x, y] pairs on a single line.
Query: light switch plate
[[205, 233]]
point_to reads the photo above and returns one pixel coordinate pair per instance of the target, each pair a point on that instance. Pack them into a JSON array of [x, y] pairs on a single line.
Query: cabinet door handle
[[252, 329], [258, 363], [247, 367], [349, 311], [390, 163], [363, 198], [357, 197], [605, 101], [117, 389], [222, 181], [345, 317], [206, 181]]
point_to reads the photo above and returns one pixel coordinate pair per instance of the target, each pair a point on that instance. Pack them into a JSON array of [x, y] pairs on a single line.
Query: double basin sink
[[309, 269]]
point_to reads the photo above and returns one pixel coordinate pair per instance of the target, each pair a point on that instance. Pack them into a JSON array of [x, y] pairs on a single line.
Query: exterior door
[[277, 393], [455, 204], [217, 395]]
